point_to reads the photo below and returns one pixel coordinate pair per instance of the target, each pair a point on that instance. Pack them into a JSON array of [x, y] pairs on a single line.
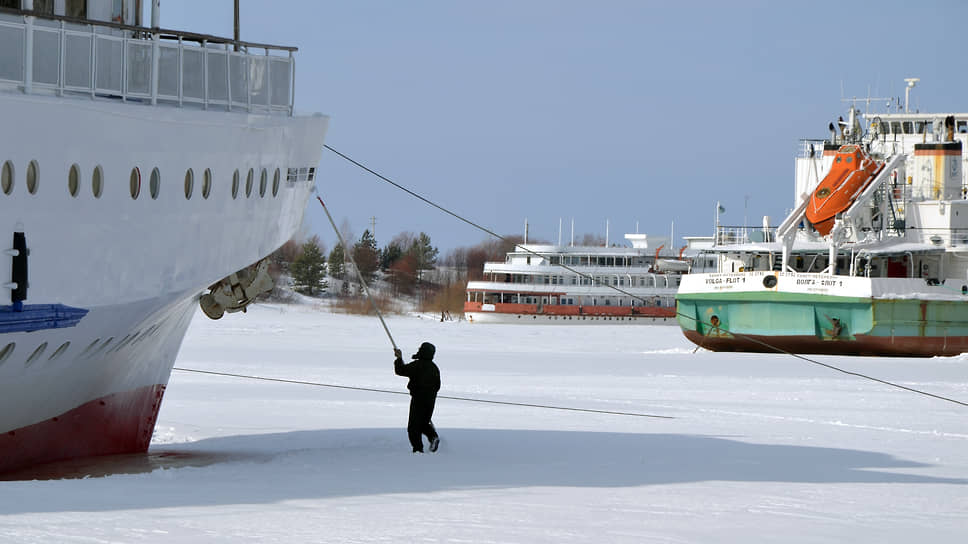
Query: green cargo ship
[[870, 262]]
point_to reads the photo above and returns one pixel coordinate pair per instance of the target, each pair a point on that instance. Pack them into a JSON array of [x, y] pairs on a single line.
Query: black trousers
[[421, 410]]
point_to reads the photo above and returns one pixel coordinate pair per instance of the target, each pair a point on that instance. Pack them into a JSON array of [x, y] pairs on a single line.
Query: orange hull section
[[850, 173]]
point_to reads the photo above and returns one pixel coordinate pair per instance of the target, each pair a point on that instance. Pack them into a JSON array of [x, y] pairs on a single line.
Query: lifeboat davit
[[850, 173]]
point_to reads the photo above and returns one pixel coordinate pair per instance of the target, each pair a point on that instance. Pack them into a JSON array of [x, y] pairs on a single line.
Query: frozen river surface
[[761, 447]]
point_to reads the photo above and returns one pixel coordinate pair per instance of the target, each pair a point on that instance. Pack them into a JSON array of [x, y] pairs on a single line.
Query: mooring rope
[[777, 349], [349, 252], [479, 227], [747, 337], [391, 392]]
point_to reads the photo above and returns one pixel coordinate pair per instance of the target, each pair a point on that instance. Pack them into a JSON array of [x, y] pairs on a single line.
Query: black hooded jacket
[[423, 373]]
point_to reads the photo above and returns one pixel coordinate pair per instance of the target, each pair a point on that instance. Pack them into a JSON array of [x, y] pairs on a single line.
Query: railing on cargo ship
[[727, 235], [65, 55]]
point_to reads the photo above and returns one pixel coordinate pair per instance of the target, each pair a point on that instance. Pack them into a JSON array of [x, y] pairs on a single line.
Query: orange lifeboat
[[850, 173]]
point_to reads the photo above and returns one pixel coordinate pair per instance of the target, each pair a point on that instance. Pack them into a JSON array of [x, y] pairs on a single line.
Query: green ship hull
[[771, 321]]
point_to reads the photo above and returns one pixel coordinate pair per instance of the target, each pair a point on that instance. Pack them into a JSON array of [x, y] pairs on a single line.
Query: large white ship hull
[[135, 266]]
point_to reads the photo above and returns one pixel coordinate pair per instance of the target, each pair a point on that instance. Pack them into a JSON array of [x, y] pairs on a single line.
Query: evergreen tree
[[390, 254], [337, 268], [366, 255], [424, 252], [308, 269]]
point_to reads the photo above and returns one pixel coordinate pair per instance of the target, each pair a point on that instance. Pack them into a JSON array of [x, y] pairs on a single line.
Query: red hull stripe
[[898, 346], [117, 423]]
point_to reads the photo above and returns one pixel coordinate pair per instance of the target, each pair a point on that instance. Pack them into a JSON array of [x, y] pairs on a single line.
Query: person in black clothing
[[424, 384]]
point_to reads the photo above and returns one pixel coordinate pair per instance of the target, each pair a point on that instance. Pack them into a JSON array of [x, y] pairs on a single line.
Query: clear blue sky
[[631, 111]]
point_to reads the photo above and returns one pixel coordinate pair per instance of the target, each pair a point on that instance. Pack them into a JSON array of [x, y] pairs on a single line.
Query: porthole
[[97, 181], [74, 180], [275, 183], [103, 346], [207, 183], [37, 353], [154, 184], [7, 352], [263, 183], [90, 347], [121, 344], [60, 351], [235, 185], [189, 183], [6, 178], [33, 177], [248, 183], [134, 183]]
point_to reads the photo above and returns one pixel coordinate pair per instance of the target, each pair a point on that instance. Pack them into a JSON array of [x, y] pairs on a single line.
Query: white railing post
[[155, 53], [292, 83], [28, 5], [93, 62], [246, 73], [155, 47], [181, 71], [228, 76], [204, 71], [268, 81], [124, 69], [61, 55]]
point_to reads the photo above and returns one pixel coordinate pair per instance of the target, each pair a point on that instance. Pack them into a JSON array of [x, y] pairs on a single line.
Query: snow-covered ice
[[762, 447]]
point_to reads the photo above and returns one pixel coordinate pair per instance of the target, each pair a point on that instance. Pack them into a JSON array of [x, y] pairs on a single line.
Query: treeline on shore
[[407, 272]]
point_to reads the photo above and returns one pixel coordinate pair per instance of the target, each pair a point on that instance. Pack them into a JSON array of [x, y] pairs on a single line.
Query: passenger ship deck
[[579, 284]]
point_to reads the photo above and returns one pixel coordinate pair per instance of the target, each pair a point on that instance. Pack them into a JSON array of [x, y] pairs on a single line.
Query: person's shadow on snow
[[352, 462]]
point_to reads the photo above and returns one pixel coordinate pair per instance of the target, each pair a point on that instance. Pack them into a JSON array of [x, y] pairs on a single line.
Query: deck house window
[[43, 7], [76, 8]]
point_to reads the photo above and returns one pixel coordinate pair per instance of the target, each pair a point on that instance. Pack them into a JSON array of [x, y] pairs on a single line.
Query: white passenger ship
[[140, 165], [601, 285]]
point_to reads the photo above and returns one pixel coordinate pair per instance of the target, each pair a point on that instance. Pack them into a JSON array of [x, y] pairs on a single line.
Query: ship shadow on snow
[[356, 462]]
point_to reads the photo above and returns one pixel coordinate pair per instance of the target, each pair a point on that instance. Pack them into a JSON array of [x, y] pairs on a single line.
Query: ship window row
[[96, 347], [918, 127], [620, 280], [594, 260], [557, 300], [75, 181], [300, 174]]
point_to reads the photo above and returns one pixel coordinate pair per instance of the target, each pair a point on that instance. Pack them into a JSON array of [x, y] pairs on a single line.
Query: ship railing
[[810, 148], [941, 237], [729, 235], [64, 55]]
